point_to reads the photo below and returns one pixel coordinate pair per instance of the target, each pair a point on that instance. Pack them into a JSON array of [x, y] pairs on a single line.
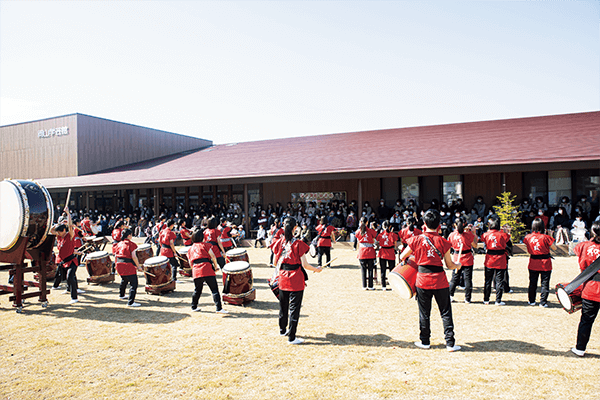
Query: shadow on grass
[[379, 340], [517, 346]]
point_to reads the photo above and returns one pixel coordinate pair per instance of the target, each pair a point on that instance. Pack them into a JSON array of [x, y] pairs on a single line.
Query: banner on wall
[[318, 197]]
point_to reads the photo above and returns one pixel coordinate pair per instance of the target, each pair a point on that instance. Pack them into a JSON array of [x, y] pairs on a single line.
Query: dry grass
[[358, 345]]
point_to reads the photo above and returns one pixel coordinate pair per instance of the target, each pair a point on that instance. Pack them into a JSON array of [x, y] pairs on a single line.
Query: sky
[[244, 70]]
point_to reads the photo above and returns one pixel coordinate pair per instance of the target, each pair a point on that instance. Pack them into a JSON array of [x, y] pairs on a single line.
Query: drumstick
[[68, 197], [149, 273], [459, 253], [178, 256], [327, 264]]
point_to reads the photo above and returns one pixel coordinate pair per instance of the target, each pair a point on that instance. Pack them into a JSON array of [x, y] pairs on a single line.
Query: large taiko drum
[[571, 302], [186, 269], [237, 283], [274, 283], [99, 266], [403, 279], [26, 210], [143, 252], [237, 255], [158, 274]]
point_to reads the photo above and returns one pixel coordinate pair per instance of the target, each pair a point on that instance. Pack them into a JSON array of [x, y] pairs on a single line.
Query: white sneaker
[[80, 291], [467, 302], [195, 309], [580, 353], [134, 305], [66, 292], [511, 291], [222, 311], [123, 297], [451, 299], [364, 288], [371, 288], [486, 302], [531, 304], [296, 341], [56, 288], [544, 305], [73, 301], [422, 346], [383, 289], [500, 304], [454, 348]]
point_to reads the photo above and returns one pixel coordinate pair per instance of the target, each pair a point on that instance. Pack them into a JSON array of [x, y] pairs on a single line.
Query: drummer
[[116, 236], [290, 258], [167, 239], [204, 264], [588, 252], [86, 225], [226, 238], [213, 236], [127, 265], [186, 234], [66, 256], [540, 264], [429, 250]]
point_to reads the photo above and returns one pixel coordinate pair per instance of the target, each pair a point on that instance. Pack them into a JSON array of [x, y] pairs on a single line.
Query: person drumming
[[290, 258], [226, 238], [66, 257], [167, 239], [429, 249], [588, 252], [213, 237], [365, 237], [495, 263], [186, 234], [409, 230], [127, 265], [467, 241], [204, 264], [387, 250], [325, 237], [540, 264]]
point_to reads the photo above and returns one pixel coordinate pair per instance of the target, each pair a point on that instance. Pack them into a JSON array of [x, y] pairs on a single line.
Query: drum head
[[184, 250], [96, 255], [12, 215], [400, 285], [144, 246], [236, 266], [235, 252], [312, 251], [564, 298], [156, 260]]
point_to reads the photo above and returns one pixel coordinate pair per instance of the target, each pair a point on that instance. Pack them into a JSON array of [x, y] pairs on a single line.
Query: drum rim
[[166, 259], [97, 257], [50, 208], [24, 208], [237, 251], [410, 291], [561, 293], [237, 271], [144, 246], [186, 248]]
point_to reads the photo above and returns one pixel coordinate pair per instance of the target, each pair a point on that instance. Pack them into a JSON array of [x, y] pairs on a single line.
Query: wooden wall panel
[[23, 155], [486, 185], [105, 144], [514, 184]]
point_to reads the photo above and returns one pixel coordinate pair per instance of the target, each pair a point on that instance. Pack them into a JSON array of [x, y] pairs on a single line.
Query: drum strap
[[469, 251], [66, 260], [387, 247], [213, 242], [496, 252], [596, 278], [201, 260], [584, 276], [540, 256], [430, 269], [124, 260]]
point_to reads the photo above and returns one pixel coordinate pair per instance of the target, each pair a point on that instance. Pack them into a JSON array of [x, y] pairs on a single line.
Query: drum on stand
[[99, 266], [51, 269], [26, 210], [159, 275], [237, 255], [143, 252], [186, 269], [237, 283], [403, 279], [571, 302]]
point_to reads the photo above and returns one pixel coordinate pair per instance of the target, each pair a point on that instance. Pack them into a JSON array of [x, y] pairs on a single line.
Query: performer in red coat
[[429, 249], [495, 263], [290, 258], [213, 236], [127, 265], [167, 238], [467, 240], [186, 234], [204, 264], [540, 264], [387, 250], [410, 230], [326, 236], [365, 237], [588, 252], [226, 239], [66, 257]]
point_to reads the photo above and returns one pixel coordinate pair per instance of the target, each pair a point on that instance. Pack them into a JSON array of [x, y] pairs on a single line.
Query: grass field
[[359, 344]]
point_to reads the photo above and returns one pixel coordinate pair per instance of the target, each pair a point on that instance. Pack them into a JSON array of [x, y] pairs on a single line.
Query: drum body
[[237, 255], [403, 279], [158, 274], [571, 302], [143, 252], [26, 210], [274, 284], [186, 269], [99, 267], [237, 283], [51, 269]]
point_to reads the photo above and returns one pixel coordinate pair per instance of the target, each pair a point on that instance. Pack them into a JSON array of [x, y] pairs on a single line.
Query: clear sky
[[239, 71]]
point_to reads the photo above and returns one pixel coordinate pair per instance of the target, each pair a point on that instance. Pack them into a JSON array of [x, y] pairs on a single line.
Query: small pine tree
[[510, 216]]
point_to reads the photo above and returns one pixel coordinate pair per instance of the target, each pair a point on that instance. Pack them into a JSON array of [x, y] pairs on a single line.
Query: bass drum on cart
[[26, 210]]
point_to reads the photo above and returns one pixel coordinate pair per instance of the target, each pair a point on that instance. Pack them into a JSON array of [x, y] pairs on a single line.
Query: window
[[410, 189], [559, 185], [452, 188], [535, 184], [587, 182]]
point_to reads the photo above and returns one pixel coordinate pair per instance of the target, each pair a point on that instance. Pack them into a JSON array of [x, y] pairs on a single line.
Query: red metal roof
[[547, 139]]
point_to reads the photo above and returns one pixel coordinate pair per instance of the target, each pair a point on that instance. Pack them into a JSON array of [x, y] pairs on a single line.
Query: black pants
[[466, 273], [533, 280], [174, 264], [133, 283], [323, 250], [366, 267], [221, 261], [211, 281], [261, 241], [71, 277], [289, 304], [385, 265], [442, 298], [498, 276], [589, 311]]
